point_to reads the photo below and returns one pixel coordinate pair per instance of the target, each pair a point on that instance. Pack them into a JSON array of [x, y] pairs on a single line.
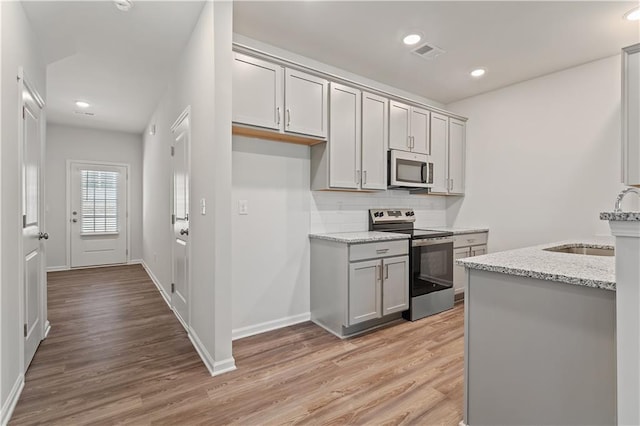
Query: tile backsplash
[[334, 211]]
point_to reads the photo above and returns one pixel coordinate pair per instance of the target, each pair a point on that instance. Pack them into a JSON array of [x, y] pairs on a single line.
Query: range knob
[[407, 214], [413, 213]]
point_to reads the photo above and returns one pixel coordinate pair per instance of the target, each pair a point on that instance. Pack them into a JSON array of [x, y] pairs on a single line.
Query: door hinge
[[173, 288], [127, 252], [25, 330], [24, 113], [24, 221], [173, 151], [173, 219]]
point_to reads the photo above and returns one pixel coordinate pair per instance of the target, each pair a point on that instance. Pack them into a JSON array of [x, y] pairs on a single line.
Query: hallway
[[117, 354]]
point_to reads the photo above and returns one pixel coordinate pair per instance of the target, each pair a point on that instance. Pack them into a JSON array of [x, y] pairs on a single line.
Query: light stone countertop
[[457, 230], [360, 237], [534, 262], [621, 216]]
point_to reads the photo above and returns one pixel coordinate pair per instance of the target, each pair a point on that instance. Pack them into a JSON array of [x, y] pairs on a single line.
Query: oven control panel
[[392, 215]]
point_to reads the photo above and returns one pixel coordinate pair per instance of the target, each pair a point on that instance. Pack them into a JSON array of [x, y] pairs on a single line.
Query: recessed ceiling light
[[633, 14], [123, 5], [412, 39], [478, 72], [82, 104]]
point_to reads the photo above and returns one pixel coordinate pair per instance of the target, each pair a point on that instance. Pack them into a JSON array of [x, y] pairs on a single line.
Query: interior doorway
[[98, 213]]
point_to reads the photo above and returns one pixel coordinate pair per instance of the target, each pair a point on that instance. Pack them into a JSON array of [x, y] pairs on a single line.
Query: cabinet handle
[[450, 184], [378, 272], [409, 142], [288, 117], [413, 142], [364, 182], [381, 251], [278, 112], [386, 272], [357, 175]]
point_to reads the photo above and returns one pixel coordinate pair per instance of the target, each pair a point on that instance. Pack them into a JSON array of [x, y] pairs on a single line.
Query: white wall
[[75, 143], [18, 48], [543, 157], [201, 81]]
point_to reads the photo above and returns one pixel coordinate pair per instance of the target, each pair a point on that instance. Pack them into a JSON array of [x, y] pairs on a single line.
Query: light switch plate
[[243, 207], [203, 206]]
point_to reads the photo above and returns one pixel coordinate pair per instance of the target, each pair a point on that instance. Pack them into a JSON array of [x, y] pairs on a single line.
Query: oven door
[[431, 265], [409, 170]]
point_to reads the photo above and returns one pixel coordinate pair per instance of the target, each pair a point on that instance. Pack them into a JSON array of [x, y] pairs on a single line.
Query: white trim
[[156, 282], [215, 368], [47, 329], [135, 262], [68, 199], [57, 268], [12, 400], [251, 330]]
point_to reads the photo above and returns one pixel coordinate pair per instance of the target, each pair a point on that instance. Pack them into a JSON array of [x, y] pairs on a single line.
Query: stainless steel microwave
[[409, 170]]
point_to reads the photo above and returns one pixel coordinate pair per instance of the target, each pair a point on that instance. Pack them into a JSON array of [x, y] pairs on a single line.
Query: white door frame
[[69, 208], [25, 84], [186, 114]]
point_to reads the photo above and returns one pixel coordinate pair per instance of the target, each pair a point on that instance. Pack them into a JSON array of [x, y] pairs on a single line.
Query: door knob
[[184, 231], [74, 220], [43, 236]]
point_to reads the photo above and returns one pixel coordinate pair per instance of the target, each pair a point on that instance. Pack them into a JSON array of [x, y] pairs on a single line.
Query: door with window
[[98, 214]]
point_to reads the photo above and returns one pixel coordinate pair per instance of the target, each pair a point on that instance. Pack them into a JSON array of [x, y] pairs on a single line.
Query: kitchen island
[[540, 343]]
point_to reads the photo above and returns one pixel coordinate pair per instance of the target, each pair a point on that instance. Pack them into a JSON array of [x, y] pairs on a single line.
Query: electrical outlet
[[243, 207]]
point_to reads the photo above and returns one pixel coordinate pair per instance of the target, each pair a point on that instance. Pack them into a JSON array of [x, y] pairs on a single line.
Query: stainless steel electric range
[[430, 261]]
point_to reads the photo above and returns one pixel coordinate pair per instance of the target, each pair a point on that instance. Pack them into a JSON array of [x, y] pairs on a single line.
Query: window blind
[[99, 201]]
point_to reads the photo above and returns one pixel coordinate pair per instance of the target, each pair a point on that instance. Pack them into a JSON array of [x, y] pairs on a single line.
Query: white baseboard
[[251, 330], [215, 368], [135, 262], [47, 329], [10, 404], [155, 280], [57, 268]]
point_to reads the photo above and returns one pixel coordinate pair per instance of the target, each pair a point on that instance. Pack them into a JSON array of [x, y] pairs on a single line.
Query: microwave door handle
[[422, 178]]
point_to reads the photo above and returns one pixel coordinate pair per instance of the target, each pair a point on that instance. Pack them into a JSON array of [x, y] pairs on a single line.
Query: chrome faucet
[[622, 195]]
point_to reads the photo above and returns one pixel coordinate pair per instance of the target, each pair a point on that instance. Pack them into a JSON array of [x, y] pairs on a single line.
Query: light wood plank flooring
[[116, 354]]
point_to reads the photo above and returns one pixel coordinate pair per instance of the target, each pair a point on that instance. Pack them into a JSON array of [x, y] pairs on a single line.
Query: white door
[[344, 137], [420, 131], [439, 153], [180, 218], [375, 138], [98, 214], [365, 291], [456, 155], [395, 285], [305, 102], [399, 116], [33, 277], [257, 92]]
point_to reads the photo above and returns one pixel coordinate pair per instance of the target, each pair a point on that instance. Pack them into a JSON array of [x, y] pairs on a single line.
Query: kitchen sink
[[583, 249]]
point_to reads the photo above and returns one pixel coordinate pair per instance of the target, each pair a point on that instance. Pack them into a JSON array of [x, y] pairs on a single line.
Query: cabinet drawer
[[466, 240], [377, 250]]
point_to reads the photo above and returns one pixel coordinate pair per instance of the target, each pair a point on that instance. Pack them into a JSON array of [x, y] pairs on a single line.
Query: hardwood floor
[[117, 355]]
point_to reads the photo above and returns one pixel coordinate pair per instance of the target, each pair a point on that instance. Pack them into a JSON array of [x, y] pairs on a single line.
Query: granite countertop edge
[[621, 216], [359, 237], [588, 271]]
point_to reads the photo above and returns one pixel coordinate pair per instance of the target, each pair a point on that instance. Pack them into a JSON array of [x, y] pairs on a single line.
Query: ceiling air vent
[[84, 113], [428, 51]]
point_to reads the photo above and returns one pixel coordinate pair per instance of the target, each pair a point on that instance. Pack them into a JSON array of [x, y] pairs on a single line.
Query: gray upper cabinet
[[305, 102], [375, 136], [257, 92], [408, 128], [344, 137], [269, 96], [630, 114], [364, 291], [448, 144]]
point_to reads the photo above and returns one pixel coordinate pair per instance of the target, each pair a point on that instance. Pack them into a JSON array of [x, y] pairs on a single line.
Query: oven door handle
[[431, 241]]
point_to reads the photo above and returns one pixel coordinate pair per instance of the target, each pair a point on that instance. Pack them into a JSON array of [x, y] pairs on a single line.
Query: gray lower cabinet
[[466, 245], [356, 287]]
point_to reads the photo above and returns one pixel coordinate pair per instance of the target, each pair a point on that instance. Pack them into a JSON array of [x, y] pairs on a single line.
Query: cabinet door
[[344, 137], [456, 156], [459, 272], [364, 291], [305, 102], [420, 119], [630, 114], [399, 117], [257, 92], [395, 285], [375, 134], [478, 250], [439, 153]]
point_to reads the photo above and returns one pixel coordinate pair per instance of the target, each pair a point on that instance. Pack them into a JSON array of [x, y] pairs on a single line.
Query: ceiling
[[513, 40], [118, 62]]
